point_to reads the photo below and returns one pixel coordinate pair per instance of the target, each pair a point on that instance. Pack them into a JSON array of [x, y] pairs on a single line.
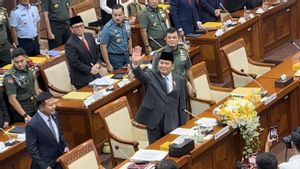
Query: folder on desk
[[38, 59], [245, 91], [77, 95], [17, 129], [216, 25]]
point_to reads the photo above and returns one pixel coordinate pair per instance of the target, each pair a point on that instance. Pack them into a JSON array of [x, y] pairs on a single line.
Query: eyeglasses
[[78, 26]]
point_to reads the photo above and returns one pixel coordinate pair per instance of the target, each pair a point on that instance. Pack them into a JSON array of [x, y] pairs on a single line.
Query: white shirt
[[45, 118], [293, 163]]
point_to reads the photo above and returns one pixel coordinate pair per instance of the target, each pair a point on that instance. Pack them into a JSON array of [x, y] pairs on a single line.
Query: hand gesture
[[136, 55]]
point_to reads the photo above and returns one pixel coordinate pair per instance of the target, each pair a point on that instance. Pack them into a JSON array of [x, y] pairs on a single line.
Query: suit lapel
[[161, 80], [81, 45], [45, 127]]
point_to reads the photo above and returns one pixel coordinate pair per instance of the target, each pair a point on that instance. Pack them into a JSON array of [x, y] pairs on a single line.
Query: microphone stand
[[263, 92], [124, 154]]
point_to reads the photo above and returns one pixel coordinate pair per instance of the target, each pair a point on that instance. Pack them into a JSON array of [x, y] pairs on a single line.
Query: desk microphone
[[298, 47], [263, 92], [124, 154], [150, 37], [232, 21], [11, 140]]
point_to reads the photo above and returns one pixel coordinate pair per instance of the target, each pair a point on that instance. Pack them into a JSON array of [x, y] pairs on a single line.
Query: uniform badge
[[154, 23], [182, 56], [118, 40], [67, 4], [56, 5], [25, 22]]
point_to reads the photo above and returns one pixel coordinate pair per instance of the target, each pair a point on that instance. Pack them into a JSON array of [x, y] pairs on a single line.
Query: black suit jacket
[[80, 59], [207, 10], [158, 104], [4, 117], [41, 143]]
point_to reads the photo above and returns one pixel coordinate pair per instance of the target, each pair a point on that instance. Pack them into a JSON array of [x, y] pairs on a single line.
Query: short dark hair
[[296, 138], [171, 30], [166, 164], [17, 52], [42, 97], [118, 6], [266, 161]]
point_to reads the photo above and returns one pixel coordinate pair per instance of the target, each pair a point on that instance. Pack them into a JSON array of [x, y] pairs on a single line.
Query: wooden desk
[[225, 151], [80, 123], [210, 47], [15, 157]]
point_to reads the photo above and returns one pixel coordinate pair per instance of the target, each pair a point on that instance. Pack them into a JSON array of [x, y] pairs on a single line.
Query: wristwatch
[[147, 45], [25, 115]]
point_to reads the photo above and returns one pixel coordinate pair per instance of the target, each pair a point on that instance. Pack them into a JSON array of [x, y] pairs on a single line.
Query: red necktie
[[190, 2], [85, 43]]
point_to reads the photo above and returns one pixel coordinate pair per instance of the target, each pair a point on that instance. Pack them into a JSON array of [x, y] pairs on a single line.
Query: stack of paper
[[184, 131], [207, 122], [245, 91], [149, 155], [77, 95], [103, 81]]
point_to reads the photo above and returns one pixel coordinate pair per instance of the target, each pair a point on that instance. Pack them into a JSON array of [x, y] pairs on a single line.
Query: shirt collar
[[23, 6], [169, 76], [44, 116]]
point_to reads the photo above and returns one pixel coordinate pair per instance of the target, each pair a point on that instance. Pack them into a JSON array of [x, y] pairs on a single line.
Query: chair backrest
[[236, 55], [55, 72], [83, 156], [201, 80], [86, 10]]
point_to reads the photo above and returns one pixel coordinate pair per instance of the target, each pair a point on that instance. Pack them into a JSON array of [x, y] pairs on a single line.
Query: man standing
[[185, 16], [56, 14], [25, 26], [153, 26], [4, 117], [116, 41], [182, 61], [4, 43], [21, 87], [162, 109], [106, 9], [83, 54], [209, 10], [45, 141]]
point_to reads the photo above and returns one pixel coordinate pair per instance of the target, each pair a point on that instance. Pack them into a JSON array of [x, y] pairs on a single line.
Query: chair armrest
[[243, 74], [52, 87], [221, 89], [137, 125], [133, 143], [260, 63], [207, 101]]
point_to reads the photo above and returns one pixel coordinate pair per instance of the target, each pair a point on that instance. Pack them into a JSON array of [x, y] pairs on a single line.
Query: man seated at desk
[[162, 109], [83, 54], [209, 10], [182, 62], [21, 87]]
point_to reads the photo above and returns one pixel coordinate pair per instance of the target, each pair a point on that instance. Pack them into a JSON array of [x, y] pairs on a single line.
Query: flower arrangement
[[240, 113]]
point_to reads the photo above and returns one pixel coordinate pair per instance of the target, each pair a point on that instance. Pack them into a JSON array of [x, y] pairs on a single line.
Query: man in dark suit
[[209, 10], [162, 109], [185, 15], [45, 141], [83, 54]]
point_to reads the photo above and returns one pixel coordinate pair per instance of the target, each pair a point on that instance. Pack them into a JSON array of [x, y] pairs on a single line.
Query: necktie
[[190, 2], [85, 43], [167, 84], [51, 128]]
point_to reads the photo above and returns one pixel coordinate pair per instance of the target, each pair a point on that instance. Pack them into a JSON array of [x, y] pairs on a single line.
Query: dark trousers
[[157, 132], [118, 60], [31, 46], [61, 32], [5, 54]]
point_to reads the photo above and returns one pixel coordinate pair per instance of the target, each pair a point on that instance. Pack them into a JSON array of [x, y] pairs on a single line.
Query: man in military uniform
[[4, 43], [25, 25], [56, 14], [21, 87], [182, 60], [153, 26], [116, 41]]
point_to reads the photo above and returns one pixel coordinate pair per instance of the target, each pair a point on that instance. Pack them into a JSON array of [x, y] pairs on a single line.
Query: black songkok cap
[[42, 97], [75, 19], [17, 52], [167, 56]]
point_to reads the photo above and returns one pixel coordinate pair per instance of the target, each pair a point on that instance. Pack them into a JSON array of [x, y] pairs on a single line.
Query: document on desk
[[184, 131], [149, 155], [103, 81]]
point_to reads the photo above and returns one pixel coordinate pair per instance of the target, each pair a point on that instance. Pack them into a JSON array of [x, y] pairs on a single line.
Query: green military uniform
[[4, 43], [182, 60], [23, 85], [154, 20], [58, 13], [134, 9]]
